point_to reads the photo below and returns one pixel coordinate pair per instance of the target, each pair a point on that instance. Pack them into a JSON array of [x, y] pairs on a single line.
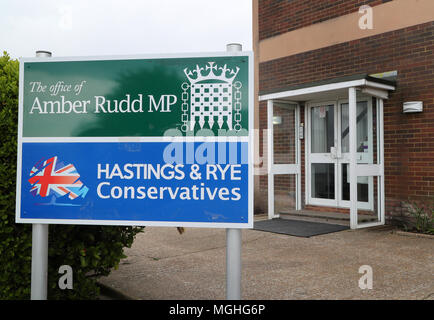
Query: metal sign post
[[233, 243], [39, 261], [38, 290], [233, 264]]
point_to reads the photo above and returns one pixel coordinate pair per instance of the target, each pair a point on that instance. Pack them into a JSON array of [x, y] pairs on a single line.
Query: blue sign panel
[[143, 183]]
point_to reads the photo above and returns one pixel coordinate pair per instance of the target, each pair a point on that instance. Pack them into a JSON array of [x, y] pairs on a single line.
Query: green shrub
[[91, 251], [422, 214]]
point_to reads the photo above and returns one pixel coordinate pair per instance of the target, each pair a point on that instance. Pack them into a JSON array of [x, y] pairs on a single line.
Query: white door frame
[[335, 156], [275, 169], [319, 157], [362, 158]]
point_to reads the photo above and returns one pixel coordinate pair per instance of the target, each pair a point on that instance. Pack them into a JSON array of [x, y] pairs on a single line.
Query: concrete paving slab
[[162, 264]]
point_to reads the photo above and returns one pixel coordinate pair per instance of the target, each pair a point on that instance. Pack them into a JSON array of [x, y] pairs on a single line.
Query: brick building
[[324, 67]]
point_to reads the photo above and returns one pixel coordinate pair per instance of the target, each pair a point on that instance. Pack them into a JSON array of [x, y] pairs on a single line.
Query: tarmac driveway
[[163, 264]]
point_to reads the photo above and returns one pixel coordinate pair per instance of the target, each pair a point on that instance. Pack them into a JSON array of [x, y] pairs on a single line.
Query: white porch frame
[[372, 88], [274, 169]]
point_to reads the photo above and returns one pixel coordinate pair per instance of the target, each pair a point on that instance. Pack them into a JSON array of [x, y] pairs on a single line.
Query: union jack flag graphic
[[48, 177]]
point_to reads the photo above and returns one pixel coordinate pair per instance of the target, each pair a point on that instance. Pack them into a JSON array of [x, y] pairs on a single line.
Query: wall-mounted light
[[412, 107]]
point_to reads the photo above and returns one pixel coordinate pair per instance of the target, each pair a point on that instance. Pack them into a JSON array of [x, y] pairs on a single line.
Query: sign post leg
[[233, 264], [233, 241], [39, 261], [38, 290]]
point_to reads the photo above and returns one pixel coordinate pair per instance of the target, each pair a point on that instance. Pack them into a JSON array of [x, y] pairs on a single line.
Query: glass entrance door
[[322, 159], [364, 154], [327, 171]]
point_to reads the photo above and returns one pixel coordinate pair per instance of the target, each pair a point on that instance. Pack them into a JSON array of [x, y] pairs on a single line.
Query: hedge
[[91, 251]]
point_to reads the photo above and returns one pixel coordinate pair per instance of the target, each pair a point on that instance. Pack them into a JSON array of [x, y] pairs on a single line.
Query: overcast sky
[[107, 27]]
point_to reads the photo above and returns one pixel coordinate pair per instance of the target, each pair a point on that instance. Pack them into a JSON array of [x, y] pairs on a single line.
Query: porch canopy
[[364, 163]]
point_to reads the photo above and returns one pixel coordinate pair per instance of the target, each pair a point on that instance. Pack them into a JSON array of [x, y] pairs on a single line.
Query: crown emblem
[[199, 74]]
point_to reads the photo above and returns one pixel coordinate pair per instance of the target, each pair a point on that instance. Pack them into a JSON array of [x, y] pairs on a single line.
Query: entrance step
[[326, 217]]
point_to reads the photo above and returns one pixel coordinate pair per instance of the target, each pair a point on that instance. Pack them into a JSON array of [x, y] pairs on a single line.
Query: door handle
[[333, 153]]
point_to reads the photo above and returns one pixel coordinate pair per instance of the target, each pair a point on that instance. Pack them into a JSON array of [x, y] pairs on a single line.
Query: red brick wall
[[280, 16], [409, 138]]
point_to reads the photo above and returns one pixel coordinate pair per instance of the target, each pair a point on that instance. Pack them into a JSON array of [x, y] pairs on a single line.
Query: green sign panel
[[136, 97]]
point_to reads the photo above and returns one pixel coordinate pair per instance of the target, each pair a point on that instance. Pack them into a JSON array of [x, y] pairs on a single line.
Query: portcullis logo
[[50, 177], [214, 98]]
